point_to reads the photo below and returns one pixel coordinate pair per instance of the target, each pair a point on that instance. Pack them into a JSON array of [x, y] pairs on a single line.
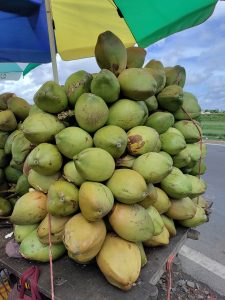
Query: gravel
[[184, 287]]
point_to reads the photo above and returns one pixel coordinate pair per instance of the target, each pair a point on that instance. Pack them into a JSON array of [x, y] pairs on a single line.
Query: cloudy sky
[[201, 50]]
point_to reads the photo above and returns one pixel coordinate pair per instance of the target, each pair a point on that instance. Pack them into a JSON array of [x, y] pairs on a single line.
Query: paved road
[[205, 259], [212, 237]]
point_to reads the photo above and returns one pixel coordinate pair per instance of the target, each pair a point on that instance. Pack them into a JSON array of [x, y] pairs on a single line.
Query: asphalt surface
[[212, 234]]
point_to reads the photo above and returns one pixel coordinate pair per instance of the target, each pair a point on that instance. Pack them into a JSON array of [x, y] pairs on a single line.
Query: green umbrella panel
[[151, 20]]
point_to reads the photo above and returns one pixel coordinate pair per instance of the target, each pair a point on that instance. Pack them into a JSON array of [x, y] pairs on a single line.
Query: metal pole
[[51, 41]]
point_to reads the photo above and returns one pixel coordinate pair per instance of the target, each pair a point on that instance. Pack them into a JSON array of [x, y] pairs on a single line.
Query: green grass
[[213, 125]]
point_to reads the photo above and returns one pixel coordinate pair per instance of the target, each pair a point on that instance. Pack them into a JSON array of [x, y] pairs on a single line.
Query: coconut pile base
[[86, 280]]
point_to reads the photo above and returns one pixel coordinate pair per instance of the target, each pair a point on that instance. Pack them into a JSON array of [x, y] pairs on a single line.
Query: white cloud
[[27, 86]]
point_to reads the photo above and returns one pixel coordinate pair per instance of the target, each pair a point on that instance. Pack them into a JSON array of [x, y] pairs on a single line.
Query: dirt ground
[[184, 287]]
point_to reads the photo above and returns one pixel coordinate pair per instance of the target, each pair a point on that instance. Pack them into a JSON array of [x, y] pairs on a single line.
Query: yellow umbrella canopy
[[78, 24]]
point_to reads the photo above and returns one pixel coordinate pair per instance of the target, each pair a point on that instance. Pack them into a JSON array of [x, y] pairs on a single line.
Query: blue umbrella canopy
[[25, 35]]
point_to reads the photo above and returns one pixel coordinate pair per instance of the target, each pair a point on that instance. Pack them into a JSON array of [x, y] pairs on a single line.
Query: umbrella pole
[[51, 41]]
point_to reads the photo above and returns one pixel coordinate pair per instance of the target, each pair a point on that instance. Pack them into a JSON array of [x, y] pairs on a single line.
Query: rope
[[50, 258], [200, 141], [169, 276]]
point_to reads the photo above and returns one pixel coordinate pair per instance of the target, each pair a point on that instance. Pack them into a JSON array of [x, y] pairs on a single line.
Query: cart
[[79, 282]]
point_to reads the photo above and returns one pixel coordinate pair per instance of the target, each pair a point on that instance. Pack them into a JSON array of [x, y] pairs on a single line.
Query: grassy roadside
[[213, 126]]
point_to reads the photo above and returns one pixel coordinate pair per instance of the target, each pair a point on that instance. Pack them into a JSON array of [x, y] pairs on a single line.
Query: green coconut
[[5, 207], [31, 248], [7, 121], [71, 174], [151, 103], [3, 100], [72, 140], [142, 139], [137, 84], [172, 141], [57, 229], [31, 208], [26, 167], [51, 98], [13, 200], [159, 76], [34, 109], [126, 161], [169, 224], [182, 158], [196, 171], [158, 146], [160, 121], [182, 209], [3, 138], [190, 165], [135, 57], [42, 182], [192, 132], [131, 222], [110, 53], [176, 184], [15, 165], [156, 219], [150, 198], [45, 159], [4, 159], [198, 186], [199, 218], [126, 114], [22, 185], [152, 166], [11, 174], [77, 84], [145, 108], [194, 151], [119, 270], [167, 156], [22, 231], [9, 141], [144, 259], [94, 164], [95, 200], [155, 64], [161, 239], [62, 198], [19, 107], [83, 239], [175, 75], [128, 186], [111, 138], [41, 127], [189, 108], [106, 85], [171, 98], [21, 147], [91, 112], [162, 202]]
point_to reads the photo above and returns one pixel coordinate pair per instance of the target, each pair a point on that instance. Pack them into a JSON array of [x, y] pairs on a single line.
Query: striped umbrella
[[74, 25]]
